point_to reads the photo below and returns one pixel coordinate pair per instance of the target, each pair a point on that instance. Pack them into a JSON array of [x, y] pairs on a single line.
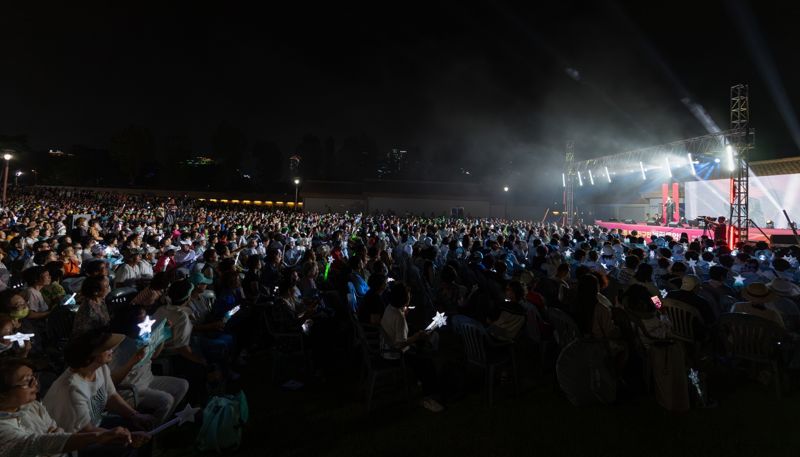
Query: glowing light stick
[[694, 376], [439, 320], [693, 264], [230, 313], [327, 270], [187, 415], [19, 338], [663, 293], [739, 280], [70, 300], [146, 326]]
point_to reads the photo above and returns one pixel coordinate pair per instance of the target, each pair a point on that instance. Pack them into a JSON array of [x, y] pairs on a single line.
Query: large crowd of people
[[83, 272]]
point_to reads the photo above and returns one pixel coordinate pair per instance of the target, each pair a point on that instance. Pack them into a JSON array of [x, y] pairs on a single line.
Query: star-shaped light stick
[[694, 376], [146, 326], [663, 293], [739, 280], [712, 264], [439, 320], [19, 338], [693, 264], [568, 253], [187, 415]]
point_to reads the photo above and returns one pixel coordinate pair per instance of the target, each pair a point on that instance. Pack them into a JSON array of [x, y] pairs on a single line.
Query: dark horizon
[[496, 88]]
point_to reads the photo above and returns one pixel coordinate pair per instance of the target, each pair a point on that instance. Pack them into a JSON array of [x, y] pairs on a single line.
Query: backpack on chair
[[223, 419]]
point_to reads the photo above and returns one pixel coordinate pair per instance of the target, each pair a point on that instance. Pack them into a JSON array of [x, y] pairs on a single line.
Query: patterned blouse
[[91, 314]]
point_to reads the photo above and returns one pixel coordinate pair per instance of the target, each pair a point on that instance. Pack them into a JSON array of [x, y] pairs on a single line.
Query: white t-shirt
[[75, 403], [179, 317], [126, 275], [30, 432], [141, 375], [36, 301]]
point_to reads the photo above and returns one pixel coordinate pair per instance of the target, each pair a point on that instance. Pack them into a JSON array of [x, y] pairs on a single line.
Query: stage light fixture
[[580, 180], [669, 169], [564, 179], [641, 167], [729, 152], [608, 175], [591, 178], [691, 164], [716, 160]]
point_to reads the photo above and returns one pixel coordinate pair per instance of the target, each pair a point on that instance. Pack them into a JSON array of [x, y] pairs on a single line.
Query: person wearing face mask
[[13, 306]]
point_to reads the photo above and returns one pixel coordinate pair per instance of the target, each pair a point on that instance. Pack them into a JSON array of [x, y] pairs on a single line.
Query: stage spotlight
[[729, 152], [564, 179], [580, 180], [641, 167], [770, 224], [716, 160], [591, 178], [691, 164], [608, 175], [669, 169]]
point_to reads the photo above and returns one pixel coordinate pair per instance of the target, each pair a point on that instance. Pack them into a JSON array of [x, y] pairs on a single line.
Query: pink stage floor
[[648, 230]]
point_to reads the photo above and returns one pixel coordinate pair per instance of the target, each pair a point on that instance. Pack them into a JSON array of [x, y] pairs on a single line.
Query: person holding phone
[[398, 344]]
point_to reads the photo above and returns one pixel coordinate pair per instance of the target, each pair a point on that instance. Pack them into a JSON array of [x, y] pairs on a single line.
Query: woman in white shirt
[[82, 394], [27, 430]]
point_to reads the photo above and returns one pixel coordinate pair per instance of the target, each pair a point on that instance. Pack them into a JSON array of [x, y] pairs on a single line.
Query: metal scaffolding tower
[[569, 184], [740, 144]]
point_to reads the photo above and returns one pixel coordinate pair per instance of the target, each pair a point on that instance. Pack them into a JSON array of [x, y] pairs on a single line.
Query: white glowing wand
[[187, 415], [19, 338], [439, 320]]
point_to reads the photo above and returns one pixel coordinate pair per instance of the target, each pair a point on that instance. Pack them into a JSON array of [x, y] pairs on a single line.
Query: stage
[[692, 232]]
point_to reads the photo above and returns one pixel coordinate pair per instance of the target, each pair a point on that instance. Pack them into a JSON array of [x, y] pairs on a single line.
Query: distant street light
[[505, 212], [7, 158], [16, 177], [296, 190]]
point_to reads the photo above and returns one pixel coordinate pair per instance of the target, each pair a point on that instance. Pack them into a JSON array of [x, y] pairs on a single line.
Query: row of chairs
[[738, 336]]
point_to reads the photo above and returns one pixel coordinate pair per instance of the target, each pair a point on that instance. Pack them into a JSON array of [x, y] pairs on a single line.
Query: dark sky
[[477, 78]]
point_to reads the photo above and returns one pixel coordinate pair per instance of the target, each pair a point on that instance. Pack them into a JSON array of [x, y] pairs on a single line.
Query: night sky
[[482, 78]]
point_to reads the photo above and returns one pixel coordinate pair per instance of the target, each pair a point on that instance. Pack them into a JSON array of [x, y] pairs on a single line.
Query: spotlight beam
[[691, 164], [591, 178], [641, 167], [608, 175]]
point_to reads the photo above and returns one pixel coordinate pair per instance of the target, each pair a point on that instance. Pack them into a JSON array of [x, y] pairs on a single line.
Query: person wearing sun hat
[[787, 294], [784, 288], [78, 399], [758, 297]]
